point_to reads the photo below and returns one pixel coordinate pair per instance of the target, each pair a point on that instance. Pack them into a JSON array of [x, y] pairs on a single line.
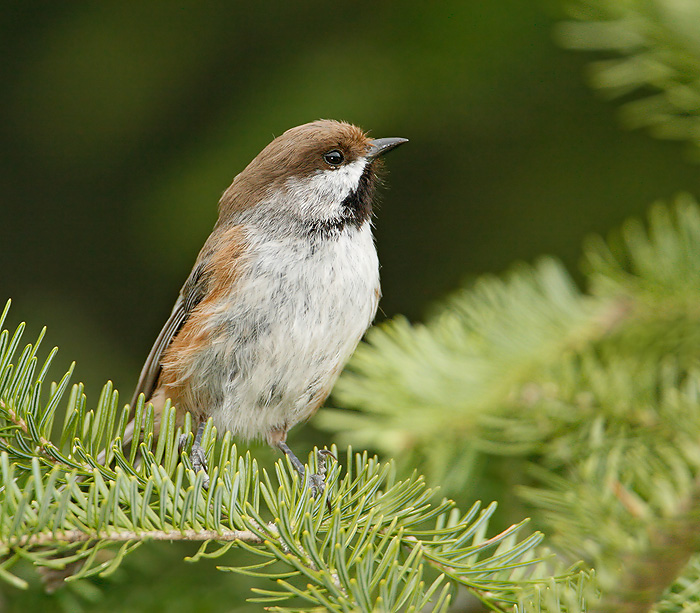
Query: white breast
[[289, 327]]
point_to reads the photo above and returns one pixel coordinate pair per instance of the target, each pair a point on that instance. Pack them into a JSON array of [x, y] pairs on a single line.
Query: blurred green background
[[123, 122]]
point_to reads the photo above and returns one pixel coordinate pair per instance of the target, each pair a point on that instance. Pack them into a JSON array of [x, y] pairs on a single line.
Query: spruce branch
[[599, 388], [652, 62], [79, 506], [124, 536]]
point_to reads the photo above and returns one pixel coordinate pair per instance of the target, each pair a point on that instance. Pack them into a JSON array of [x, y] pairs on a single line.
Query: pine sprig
[[636, 489], [652, 63], [601, 388], [79, 506]]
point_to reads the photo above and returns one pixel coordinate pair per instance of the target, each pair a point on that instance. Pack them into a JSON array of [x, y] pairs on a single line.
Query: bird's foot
[[316, 481], [199, 462], [198, 457]]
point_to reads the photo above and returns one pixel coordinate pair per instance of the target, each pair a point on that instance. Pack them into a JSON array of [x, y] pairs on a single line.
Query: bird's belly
[[282, 340]]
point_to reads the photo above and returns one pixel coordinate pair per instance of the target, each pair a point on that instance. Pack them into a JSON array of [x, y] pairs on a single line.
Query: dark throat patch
[[355, 210]]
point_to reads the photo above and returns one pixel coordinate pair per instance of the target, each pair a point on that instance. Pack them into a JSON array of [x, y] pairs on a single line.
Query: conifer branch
[[124, 536], [672, 542], [652, 63], [62, 508], [44, 446], [600, 388]]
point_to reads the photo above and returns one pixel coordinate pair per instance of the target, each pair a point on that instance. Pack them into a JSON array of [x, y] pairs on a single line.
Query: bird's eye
[[334, 158]]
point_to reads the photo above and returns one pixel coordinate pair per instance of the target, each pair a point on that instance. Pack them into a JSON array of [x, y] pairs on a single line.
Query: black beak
[[379, 146]]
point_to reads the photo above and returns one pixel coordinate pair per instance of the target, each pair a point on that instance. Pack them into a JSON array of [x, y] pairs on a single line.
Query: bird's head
[[320, 175]]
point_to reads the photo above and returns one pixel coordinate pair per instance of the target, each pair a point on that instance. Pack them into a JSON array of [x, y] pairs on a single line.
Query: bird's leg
[[317, 483], [197, 456], [296, 462]]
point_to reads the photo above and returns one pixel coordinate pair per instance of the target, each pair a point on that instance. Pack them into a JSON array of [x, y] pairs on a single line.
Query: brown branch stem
[[78, 536], [646, 575]]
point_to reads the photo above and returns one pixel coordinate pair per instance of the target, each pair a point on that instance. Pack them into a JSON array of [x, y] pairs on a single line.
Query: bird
[[280, 294]]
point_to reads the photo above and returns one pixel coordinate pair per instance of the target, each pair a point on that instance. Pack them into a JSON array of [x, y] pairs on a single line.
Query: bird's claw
[[199, 462], [316, 484], [198, 458], [182, 443], [317, 480]]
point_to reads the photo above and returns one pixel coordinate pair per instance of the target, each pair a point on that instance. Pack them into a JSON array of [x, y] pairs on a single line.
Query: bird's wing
[[191, 295]]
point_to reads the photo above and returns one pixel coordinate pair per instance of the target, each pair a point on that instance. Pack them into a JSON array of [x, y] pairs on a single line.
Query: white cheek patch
[[320, 195]]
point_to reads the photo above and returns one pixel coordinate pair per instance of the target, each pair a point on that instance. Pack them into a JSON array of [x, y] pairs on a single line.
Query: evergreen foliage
[[592, 397], [601, 389], [383, 544], [652, 62], [583, 402]]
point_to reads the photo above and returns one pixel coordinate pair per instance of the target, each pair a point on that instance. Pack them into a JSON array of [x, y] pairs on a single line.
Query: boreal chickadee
[[281, 292]]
